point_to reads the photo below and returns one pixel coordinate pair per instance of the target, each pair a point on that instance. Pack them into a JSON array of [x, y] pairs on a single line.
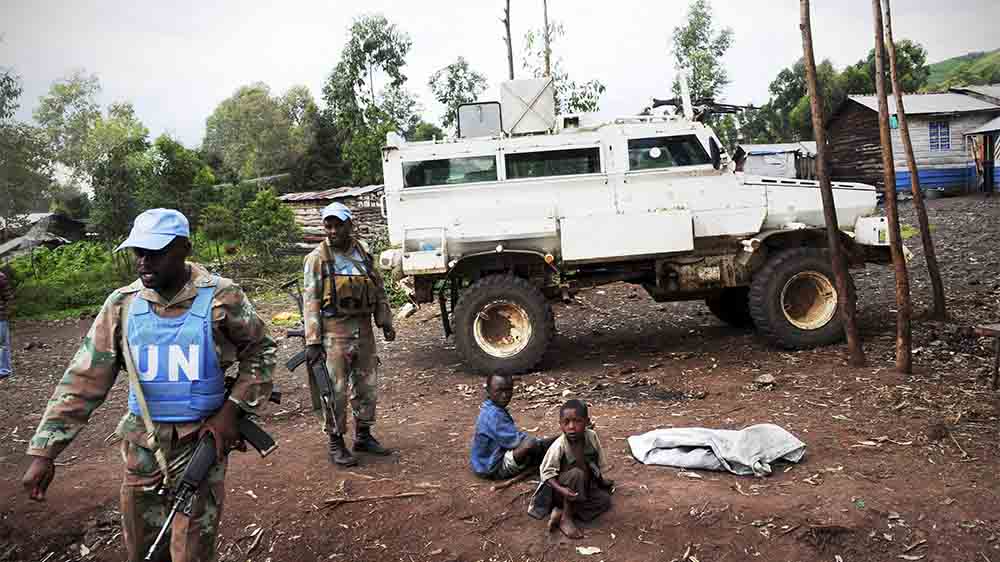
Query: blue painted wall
[[943, 178]]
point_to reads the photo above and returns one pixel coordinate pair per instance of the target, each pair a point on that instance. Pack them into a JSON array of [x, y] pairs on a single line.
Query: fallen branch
[[511, 482], [334, 502], [256, 541], [955, 441]]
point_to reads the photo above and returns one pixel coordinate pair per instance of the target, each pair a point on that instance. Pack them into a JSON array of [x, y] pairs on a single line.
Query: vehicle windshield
[[666, 152]]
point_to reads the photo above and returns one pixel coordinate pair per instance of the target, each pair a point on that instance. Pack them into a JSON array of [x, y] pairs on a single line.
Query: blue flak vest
[[176, 361]]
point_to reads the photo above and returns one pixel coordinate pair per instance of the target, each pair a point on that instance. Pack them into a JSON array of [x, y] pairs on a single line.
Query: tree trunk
[[845, 297], [546, 33], [904, 361], [940, 311], [510, 48]]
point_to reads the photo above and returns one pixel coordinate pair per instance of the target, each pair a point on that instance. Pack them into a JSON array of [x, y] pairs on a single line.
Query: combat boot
[[365, 442], [339, 454]]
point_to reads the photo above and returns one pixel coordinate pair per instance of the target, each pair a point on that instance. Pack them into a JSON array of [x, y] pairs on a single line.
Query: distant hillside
[[970, 69]]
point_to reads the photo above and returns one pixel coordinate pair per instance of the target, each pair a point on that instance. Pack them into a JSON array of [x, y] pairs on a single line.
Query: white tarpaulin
[[748, 451]]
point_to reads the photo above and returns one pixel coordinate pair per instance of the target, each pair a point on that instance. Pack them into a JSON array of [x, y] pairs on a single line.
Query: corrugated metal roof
[[331, 194], [917, 104], [991, 127], [990, 90]]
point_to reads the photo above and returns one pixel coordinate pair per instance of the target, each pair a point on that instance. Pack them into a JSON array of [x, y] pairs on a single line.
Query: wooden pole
[[904, 360], [845, 297], [939, 311], [546, 33], [510, 48]]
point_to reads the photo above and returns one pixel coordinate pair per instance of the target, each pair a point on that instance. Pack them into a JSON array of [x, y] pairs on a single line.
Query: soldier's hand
[[37, 478], [314, 353], [389, 332], [224, 428]]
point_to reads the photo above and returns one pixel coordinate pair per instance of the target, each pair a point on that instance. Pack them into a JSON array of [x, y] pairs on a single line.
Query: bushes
[[268, 226], [66, 278], [377, 242]]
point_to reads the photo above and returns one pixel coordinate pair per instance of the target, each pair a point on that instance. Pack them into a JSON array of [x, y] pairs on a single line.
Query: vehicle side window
[[449, 171], [553, 163], [666, 152]]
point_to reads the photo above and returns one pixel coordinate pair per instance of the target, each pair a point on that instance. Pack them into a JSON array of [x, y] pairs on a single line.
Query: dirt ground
[[897, 467]]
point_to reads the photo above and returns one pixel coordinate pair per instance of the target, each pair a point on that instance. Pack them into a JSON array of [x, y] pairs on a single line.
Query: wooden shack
[[938, 125], [364, 203]]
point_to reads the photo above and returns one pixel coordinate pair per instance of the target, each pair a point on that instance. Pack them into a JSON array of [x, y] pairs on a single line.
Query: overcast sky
[[175, 61]]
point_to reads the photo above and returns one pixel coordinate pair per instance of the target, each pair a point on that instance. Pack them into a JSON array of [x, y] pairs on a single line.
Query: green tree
[[363, 150], [570, 96], [363, 112], [268, 225], [10, 92], [219, 225], [375, 50], [787, 115], [830, 85], [116, 159], [424, 131], [323, 166], [911, 64], [255, 134], [698, 48], [455, 85], [25, 171], [68, 114], [117, 179], [300, 108], [179, 175], [68, 199]]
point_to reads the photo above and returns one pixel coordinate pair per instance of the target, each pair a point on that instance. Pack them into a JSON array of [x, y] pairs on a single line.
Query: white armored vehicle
[[526, 207]]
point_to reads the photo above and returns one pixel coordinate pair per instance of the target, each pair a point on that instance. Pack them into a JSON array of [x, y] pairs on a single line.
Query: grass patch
[[64, 314]]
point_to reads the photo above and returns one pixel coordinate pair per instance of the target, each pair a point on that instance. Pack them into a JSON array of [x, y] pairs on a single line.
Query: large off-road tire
[[502, 324], [793, 299], [732, 306]]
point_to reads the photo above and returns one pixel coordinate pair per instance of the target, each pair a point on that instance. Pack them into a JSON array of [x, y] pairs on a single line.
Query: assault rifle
[[318, 372], [201, 462]]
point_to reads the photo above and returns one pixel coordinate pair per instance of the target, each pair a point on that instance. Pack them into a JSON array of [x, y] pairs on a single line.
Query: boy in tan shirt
[[574, 468]]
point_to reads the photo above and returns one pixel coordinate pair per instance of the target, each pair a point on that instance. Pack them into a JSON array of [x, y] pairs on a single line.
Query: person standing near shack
[[342, 290], [182, 327], [6, 305]]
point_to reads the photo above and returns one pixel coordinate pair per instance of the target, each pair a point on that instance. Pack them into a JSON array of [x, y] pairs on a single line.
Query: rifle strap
[[140, 398]]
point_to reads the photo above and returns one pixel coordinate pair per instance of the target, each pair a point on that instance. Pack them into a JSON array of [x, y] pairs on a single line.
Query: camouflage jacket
[[239, 334], [6, 297], [312, 298]]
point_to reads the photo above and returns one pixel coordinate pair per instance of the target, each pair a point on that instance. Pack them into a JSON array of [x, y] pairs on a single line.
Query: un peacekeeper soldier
[[184, 327], [342, 291]]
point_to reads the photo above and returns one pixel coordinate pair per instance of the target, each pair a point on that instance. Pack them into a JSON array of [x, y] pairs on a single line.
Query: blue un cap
[[338, 210], [155, 228]]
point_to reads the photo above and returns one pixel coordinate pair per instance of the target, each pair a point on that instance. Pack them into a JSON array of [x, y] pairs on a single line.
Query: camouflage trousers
[[352, 363], [190, 539]]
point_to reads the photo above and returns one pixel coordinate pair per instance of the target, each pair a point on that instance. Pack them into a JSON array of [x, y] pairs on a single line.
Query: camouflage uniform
[[239, 335], [349, 343]]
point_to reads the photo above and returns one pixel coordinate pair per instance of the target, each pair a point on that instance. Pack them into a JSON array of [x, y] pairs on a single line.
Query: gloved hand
[[389, 332]]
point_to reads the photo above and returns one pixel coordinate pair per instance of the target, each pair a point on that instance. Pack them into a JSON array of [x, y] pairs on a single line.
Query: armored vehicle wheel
[[502, 324], [793, 299], [732, 306]]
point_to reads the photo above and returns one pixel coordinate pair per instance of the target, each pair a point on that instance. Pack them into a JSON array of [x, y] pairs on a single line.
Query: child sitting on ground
[[499, 451], [574, 469]]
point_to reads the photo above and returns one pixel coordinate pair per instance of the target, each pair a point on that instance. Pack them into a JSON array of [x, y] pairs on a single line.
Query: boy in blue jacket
[[499, 451]]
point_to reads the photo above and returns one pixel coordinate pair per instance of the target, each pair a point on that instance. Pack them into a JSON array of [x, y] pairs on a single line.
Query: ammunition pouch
[[348, 295]]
